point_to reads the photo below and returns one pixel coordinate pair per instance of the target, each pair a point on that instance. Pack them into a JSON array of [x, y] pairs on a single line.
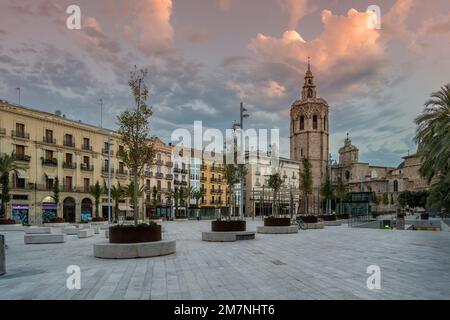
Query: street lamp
[[243, 115]]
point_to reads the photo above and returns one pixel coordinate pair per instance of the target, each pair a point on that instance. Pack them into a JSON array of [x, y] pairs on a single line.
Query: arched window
[[395, 186], [347, 175], [310, 93], [315, 122], [325, 124], [302, 123]]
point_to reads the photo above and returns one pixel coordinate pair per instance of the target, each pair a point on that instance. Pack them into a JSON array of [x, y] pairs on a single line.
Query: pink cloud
[[297, 9], [255, 92]]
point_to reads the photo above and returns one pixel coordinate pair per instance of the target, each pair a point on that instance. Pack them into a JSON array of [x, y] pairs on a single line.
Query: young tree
[[8, 164], [117, 193], [385, 199], [229, 173], [341, 192], [175, 195], [134, 128], [306, 181], [56, 196], [439, 198], [154, 197], [275, 183], [188, 193], [96, 192], [197, 194], [326, 191]]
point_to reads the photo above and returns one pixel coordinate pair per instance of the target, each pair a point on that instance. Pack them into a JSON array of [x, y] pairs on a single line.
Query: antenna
[[101, 112]]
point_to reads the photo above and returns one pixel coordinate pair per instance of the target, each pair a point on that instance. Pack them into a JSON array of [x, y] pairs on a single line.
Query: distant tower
[[348, 154], [309, 129]]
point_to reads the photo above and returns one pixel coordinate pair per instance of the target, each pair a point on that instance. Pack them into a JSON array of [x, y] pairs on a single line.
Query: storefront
[[20, 213], [86, 210]]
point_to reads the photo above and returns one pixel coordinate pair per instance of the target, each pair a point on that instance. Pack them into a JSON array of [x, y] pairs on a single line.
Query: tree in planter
[[306, 181], [275, 183], [134, 128], [175, 195], [130, 191], [439, 198], [229, 173], [188, 193], [7, 165], [326, 191], [96, 191], [341, 192], [154, 197], [56, 196], [117, 193]]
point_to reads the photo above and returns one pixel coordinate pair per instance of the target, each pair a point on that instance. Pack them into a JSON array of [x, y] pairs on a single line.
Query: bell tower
[[309, 129]]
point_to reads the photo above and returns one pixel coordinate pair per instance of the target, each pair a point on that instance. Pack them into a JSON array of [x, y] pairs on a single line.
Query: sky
[[206, 56]]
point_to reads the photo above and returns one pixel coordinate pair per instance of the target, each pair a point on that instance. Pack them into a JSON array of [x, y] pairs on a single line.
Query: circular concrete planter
[[330, 217], [277, 222], [106, 250], [227, 226], [309, 219], [134, 234], [7, 222], [277, 229]]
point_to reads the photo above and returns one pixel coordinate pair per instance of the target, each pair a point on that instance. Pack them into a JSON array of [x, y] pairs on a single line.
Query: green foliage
[[413, 199], [155, 196], [385, 199], [8, 164], [306, 181], [433, 135], [275, 183], [439, 198], [56, 196], [96, 191], [117, 193], [327, 190]]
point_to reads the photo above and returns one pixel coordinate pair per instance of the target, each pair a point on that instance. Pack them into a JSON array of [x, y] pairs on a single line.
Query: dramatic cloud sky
[[205, 56]]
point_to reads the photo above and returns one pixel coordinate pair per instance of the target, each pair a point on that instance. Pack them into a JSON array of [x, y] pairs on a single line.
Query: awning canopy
[[50, 176], [22, 174], [125, 207]]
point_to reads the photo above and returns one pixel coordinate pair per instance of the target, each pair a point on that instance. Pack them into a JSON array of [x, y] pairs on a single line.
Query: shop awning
[[125, 207], [22, 174]]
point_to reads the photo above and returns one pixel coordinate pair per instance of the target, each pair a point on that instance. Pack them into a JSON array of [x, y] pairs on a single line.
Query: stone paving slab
[[330, 263]]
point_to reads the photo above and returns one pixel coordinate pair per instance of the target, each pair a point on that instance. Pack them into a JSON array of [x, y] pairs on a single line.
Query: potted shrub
[[309, 219], [273, 221], [57, 220], [228, 225], [8, 221], [135, 233]]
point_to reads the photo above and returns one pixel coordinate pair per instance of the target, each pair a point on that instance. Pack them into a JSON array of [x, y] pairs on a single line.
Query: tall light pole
[[101, 112], [329, 180], [109, 177], [242, 115]]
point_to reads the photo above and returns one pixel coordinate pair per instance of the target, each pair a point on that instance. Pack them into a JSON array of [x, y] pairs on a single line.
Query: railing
[[105, 151], [176, 170], [86, 167], [169, 164], [257, 173], [69, 143], [184, 171], [22, 157], [69, 165], [49, 140], [159, 175], [20, 134], [68, 189], [169, 176], [213, 180], [106, 169], [148, 174], [203, 167], [180, 183], [86, 147], [122, 172], [203, 179], [50, 162]]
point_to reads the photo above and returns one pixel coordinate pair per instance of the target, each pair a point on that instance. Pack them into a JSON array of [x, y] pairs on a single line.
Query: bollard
[[2, 255]]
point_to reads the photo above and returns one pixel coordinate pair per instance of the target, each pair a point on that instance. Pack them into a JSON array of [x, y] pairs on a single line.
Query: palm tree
[[197, 194], [433, 134], [130, 192], [275, 183], [7, 165], [117, 194], [175, 195], [188, 193], [96, 191]]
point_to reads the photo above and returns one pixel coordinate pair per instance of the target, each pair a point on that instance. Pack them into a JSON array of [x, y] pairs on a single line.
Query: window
[[68, 140], [20, 183], [69, 158], [20, 151], [68, 183], [347, 175], [86, 160], [86, 144], [86, 184], [49, 184], [395, 186], [158, 184], [301, 152], [310, 93], [20, 130], [169, 185], [49, 136], [325, 124], [48, 154], [315, 122], [302, 123]]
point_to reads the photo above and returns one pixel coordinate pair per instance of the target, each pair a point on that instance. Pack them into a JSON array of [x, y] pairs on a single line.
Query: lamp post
[[109, 177], [243, 115], [329, 180]]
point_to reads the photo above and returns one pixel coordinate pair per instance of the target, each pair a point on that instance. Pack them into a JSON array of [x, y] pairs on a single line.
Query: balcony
[[20, 134], [68, 189], [257, 173], [176, 170], [105, 151], [50, 162], [86, 167], [184, 171], [169, 176], [49, 140], [105, 170], [159, 175], [159, 162], [148, 174], [69, 165], [169, 164], [86, 147], [213, 180], [203, 179], [203, 190], [2, 131], [69, 143], [180, 183], [203, 167], [22, 157], [122, 172]]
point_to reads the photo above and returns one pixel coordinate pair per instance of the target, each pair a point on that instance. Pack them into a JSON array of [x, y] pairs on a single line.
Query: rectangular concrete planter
[[2, 255], [85, 233], [318, 225], [71, 231], [331, 223], [57, 225], [38, 230], [44, 238], [11, 227]]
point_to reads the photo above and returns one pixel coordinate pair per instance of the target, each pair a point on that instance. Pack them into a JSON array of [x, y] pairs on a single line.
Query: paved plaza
[[313, 264]]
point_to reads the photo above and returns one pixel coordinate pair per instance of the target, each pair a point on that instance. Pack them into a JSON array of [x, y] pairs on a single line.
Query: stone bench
[[11, 227], [96, 229], [107, 234], [44, 238], [277, 230], [57, 225], [85, 233], [71, 231], [331, 223], [38, 230], [228, 236], [106, 250]]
